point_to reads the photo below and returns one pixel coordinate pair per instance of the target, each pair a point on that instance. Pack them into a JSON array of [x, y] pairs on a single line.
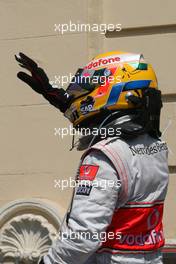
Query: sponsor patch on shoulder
[[84, 190], [88, 172]]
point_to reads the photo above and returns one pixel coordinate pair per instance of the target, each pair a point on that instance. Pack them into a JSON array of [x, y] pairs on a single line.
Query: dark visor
[[85, 81]]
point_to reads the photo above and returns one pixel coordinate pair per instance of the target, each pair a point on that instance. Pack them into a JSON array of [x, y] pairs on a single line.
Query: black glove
[[39, 82]]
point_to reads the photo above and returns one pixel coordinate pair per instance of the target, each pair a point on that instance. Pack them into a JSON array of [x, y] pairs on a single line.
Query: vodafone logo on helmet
[[102, 62], [121, 58]]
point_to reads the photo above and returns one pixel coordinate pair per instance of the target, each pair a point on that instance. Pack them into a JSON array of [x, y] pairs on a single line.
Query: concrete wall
[[31, 156]]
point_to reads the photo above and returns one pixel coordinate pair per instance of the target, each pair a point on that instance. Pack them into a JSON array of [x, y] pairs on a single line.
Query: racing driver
[[119, 221]]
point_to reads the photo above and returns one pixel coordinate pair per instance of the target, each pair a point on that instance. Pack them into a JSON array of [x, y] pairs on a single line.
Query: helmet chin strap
[[73, 143], [101, 125], [98, 130], [122, 122]]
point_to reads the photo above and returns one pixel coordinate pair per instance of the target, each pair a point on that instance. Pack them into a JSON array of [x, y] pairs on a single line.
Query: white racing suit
[[117, 207]]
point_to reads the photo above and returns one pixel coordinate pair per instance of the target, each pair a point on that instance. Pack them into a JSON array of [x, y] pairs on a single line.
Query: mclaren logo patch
[[84, 190], [88, 172]]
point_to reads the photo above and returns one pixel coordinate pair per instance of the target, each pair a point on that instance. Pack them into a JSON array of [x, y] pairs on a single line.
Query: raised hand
[[39, 82]]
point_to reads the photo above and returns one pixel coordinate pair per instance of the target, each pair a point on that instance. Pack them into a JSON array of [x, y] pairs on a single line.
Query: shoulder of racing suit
[[132, 159], [141, 164]]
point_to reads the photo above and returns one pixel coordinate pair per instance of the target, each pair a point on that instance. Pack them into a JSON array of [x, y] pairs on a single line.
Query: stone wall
[[32, 157]]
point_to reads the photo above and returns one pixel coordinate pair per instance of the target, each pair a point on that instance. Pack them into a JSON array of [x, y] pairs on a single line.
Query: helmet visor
[[85, 81]]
